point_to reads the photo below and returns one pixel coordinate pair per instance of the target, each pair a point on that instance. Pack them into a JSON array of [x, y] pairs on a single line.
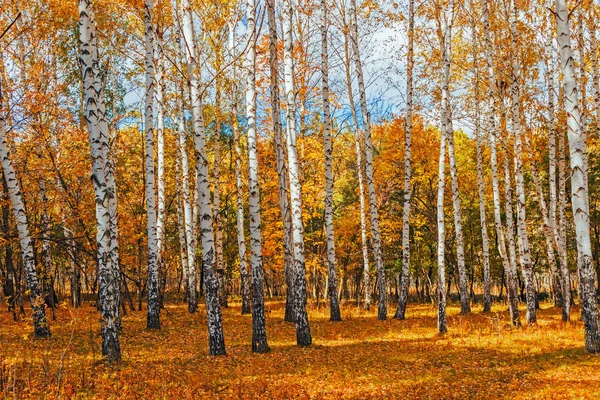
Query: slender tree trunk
[[181, 227], [46, 256], [359, 171], [188, 213], [494, 129], [374, 214], [95, 117], [241, 240], [40, 323], [259, 332], [404, 276], [282, 169], [153, 320], [487, 297], [334, 307], [303, 336], [548, 236], [579, 194], [160, 161], [445, 36], [565, 295], [217, 187], [523, 240], [211, 286]]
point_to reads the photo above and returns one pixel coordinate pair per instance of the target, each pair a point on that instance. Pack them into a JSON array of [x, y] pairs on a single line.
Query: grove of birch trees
[[231, 153]]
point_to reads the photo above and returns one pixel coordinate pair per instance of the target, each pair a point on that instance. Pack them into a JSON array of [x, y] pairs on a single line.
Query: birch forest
[[312, 199]]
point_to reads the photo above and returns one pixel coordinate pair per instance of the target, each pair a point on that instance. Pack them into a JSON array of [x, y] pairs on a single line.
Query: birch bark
[[108, 283], [259, 332], [405, 277], [282, 169], [373, 211], [579, 194], [303, 336], [211, 286], [241, 239], [334, 307], [153, 320], [493, 129]]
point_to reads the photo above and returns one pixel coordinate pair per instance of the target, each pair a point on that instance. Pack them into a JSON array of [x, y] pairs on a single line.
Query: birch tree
[[487, 297], [404, 277], [303, 336], [579, 194], [374, 214], [241, 239], [153, 320], [211, 286], [445, 35], [259, 332], [493, 129], [282, 169], [95, 118], [13, 187], [334, 307], [359, 167], [523, 241]]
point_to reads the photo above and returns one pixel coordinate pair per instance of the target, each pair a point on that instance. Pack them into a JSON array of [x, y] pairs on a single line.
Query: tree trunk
[[334, 307], [487, 297], [241, 240], [259, 332], [579, 194], [404, 276], [40, 323], [160, 161], [445, 36], [211, 286], [494, 129], [303, 336], [359, 171], [375, 237], [153, 320], [282, 169], [523, 239], [95, 117]]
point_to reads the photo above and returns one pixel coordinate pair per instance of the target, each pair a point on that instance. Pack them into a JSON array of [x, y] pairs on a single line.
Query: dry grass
[[480, 357]]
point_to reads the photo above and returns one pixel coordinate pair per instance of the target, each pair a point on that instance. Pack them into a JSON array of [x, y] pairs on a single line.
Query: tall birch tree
[[303, 336], [579, 194]]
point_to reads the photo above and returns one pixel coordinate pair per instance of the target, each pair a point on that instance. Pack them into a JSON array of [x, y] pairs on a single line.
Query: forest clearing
[[359, 358]]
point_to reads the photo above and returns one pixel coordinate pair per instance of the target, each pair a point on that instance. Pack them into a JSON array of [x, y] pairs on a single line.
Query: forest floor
[[481, 356]]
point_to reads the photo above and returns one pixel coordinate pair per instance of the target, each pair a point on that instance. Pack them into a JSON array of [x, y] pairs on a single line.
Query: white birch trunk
[[213, 310], [40, 322], [374, 214], [303, 336], [524, 249], [259, 332], [487, 297], [579, 194], [217, 189], [334, 307], [241, 239], [562, 298], [445, 36], [108, 283], [494, 129], [404, 276], [153, 320], [160, 157], [359, 171]]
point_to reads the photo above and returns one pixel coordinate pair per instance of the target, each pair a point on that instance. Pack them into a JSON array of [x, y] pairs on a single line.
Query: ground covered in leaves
[[361, 357]]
